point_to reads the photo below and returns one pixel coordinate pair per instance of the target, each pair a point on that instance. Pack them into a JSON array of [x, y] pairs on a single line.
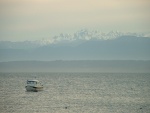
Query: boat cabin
[[34, 82], [33, 85]]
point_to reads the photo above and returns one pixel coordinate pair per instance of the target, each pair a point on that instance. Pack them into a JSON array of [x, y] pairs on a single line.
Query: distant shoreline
[[116, 66]]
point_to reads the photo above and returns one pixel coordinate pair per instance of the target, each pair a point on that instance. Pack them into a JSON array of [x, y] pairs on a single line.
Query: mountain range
[[82, 45]]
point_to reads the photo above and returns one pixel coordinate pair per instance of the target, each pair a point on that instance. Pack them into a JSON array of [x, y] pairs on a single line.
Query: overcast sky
[[36, 19]]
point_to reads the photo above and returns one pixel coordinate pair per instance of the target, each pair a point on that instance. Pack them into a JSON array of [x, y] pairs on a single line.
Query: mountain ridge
[[124, 47], [77, 37]]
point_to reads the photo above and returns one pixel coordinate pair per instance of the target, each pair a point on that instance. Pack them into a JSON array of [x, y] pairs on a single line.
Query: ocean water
[[76, 93]]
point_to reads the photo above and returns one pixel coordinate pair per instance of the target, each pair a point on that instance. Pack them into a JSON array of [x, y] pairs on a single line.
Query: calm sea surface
[[76, 93]]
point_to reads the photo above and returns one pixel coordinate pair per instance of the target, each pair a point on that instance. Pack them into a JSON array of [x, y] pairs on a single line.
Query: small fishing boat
[[33, 85]]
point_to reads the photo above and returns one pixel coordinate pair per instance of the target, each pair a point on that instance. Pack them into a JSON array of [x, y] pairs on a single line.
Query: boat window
[[31, 82]]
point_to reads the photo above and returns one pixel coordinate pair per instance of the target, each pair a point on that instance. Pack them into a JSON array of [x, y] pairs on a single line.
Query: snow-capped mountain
[[77, 37], [82, 45], [91, 35]]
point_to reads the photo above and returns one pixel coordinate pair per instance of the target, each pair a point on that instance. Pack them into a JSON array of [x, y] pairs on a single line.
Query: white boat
[[33, 85]]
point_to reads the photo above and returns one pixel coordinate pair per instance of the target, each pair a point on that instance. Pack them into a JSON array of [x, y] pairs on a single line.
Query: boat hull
[[33, 88]]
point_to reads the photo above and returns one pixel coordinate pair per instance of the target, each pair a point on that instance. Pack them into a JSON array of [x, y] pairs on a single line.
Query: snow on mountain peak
[[85, 34], [79, 36]]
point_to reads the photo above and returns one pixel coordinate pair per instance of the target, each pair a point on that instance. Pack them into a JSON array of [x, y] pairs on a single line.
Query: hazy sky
[[36, 19]]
